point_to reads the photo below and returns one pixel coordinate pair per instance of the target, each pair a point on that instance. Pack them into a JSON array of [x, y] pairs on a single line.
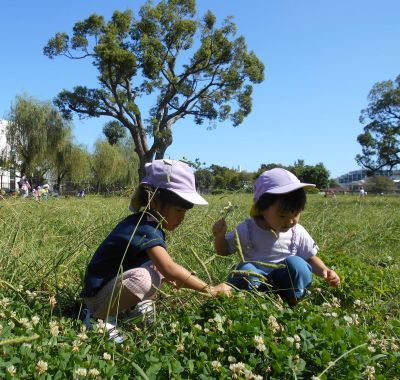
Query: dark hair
[[289, 202], [166, 197]]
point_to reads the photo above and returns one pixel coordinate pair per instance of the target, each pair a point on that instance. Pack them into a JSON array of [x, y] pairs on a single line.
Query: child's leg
[[124, 291], [293, 280], [247, 282]]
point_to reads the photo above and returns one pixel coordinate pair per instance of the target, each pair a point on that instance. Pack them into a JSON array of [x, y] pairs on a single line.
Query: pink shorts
[[141, 282]]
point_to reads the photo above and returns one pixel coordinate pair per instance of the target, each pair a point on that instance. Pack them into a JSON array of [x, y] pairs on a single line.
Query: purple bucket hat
[[277, 181], [172, 175]]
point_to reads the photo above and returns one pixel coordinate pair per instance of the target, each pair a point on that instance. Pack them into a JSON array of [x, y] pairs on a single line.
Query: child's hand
[[219, 228], [332, 277], [220, 289]]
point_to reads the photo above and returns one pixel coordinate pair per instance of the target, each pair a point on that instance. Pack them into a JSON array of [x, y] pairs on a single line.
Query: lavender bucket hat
[[275, 181], [172, 175]]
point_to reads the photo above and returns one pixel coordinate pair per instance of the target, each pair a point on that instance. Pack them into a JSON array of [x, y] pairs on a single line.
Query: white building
[[354, 179], [8, 178]]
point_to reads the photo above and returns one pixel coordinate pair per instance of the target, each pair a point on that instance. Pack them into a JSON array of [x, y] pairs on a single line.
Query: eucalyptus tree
[[187, 66], [35, 131], [380, 141]]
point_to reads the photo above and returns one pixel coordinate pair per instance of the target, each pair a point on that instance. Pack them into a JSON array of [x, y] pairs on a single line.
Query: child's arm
[[180, 276], [220, 244], [320, 269]]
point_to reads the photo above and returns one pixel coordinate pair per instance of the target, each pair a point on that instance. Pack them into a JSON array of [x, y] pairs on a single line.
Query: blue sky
[[321, 56]]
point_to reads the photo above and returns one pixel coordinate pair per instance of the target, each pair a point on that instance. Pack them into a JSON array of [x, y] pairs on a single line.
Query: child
[[273, 236], [132, 262]]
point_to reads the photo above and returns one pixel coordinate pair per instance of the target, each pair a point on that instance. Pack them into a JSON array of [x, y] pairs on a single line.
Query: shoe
[[110, 326], [112, 332], [143, 313]]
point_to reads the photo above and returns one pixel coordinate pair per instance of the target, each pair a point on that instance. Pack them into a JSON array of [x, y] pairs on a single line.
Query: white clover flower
[[370, 372], [206, 330], [4, 302], [26, 323], [81, 372], [296, 338], [258, 339], [93, 372], [75, 346], [30, 294], [216, 365], [355, 319], [198, 327], [335, 301], [348, 320], [371, 349], [180, 347], [82, 336], [326, 305], [257, 377], [12, 370], [290, 340], [52, 301], [106, 356], [100, 326], [394, 346], [261, 347], [297, 345], [174, 325], [237, 369], [35, 320], [41, 366], [219, 319], [273, 324], [54, 329], [220, 349], [231, 359]]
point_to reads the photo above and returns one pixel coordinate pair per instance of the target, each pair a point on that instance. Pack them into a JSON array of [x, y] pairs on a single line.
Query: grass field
[[352, 332]]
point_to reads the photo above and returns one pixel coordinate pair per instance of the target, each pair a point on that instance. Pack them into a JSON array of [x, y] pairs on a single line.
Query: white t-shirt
[[264, 246]]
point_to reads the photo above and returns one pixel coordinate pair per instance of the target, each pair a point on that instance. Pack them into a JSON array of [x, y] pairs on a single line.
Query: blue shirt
[[123, 249]]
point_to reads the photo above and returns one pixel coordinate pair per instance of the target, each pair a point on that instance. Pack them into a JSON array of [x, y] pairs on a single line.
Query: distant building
[[8, 178], [354, 179]]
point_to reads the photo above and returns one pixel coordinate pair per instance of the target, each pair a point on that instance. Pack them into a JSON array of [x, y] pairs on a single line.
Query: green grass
[[352, 332]]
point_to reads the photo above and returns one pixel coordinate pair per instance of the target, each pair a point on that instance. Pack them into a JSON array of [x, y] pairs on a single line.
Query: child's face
[[279, 220], [173, 217]]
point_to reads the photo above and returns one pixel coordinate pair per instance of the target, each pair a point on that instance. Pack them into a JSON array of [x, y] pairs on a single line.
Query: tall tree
[[114, 132], [381, 137], [34, 131], [108, 165], [190, 68]]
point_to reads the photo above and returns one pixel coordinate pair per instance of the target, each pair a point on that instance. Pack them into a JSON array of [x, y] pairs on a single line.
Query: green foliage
[[380, 184], [352, 332], [380, 139], [114, 132], [114, 165], [36, 132], [144, 56]]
